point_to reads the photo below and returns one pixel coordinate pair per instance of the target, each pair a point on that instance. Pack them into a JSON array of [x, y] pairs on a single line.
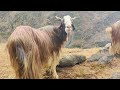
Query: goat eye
[[68, 26]]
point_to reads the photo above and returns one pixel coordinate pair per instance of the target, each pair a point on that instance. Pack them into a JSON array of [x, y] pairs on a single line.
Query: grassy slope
[[83, 71]]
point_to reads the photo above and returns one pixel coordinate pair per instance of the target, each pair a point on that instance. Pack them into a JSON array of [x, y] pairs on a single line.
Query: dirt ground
[[86, 70]]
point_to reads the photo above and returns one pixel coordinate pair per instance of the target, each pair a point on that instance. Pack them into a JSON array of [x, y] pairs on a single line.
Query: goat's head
[[69, 27]]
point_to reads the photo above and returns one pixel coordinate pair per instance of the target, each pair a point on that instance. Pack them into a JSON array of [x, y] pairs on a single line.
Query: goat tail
[[17, 58], [27, 65]]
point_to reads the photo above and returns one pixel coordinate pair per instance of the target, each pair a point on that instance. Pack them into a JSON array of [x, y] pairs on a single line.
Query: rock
[[95, 57], [105, 59], [81, 59], [71, 60], [115, 75], [107, 45], [105, 48]]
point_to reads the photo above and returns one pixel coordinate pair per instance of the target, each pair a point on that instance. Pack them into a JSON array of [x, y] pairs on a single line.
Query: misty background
[[90, 25]]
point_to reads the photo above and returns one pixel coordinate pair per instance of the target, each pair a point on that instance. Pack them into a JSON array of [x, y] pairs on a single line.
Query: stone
[[105, 59], [94, 57], [71, 60]]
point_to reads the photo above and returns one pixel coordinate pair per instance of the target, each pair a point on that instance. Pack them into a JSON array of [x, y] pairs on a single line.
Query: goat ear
[[61, 26], [73, 27]]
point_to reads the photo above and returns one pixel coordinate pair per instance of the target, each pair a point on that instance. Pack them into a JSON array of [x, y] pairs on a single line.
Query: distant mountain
[[90, 25]]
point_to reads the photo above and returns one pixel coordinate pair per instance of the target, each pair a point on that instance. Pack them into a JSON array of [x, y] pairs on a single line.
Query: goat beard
[[68, 36]]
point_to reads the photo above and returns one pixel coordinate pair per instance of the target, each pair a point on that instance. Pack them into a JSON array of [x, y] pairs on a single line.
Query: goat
[[32, 50]]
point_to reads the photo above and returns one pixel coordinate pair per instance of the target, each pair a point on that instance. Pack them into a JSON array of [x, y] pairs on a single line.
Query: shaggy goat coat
[[114, 34], [31, 49]]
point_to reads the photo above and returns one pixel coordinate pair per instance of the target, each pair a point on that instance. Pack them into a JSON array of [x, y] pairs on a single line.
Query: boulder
[[105, 59], [102, 56], [105, 48], [71, 60], [95, 57]]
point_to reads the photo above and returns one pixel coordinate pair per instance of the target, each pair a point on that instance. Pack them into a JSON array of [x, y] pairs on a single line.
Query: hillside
[[90, 25]]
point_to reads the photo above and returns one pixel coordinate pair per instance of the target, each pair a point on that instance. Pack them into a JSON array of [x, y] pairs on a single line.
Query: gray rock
[[105, 48], [95, 57], [105, 59], [71, 60], [115, 75], [102, 49], [107, 45]]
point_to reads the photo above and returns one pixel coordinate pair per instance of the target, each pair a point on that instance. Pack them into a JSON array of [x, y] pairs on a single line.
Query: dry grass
[[85, 70], [6, 70], [78, 51]]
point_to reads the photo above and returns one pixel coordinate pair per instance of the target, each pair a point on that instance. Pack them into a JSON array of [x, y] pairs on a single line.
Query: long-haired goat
[[114, 33], [31, 50]]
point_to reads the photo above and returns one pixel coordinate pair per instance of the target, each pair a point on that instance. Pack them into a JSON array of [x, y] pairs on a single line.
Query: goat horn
[[58, 18], [73, 18]]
